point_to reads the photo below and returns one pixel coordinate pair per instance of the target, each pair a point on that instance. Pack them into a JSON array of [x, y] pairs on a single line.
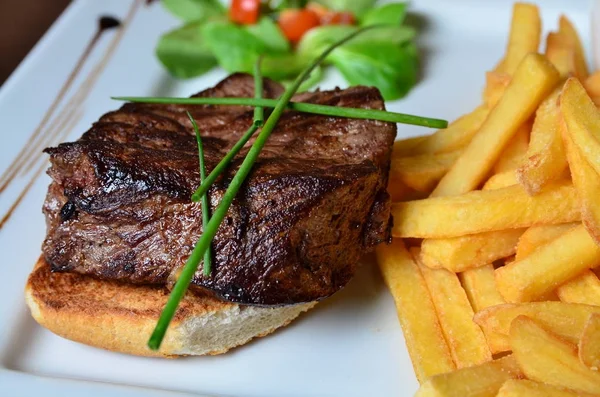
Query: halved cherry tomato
[[338, 18], [244, 11], [294, 23]]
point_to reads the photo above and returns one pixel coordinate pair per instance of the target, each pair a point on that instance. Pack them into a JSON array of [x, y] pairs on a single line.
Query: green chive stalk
[[256, 124], [325, 110], [205, 205], [235, 185]]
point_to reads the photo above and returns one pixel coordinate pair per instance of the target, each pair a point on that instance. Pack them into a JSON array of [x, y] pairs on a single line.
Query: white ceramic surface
[[350, 345]]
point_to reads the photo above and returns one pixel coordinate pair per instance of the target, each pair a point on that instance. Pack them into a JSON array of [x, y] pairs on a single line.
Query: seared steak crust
[[119, 205]]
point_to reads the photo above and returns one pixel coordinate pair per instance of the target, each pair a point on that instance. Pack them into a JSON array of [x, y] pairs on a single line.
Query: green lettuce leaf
[[269, 33], [388, 14], [235, 48], [316, 40], [358, 7], [193, 10], [184, 53], [391, 68]]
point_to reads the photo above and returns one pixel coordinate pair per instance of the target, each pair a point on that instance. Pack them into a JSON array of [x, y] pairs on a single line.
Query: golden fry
[[546, 159], [480, 380], [480, 287], [425, 342], [495, 85], [565, 319], [405, 147], [465, 339], [458, 254], [539, 235], [592, 86], [582, 119], [549, 266], [584, 288], [561, 53], [585, 179], [458, 134], [503, 179], [524, 37], [422, 172], [544, 357], [529, 388], [589, 344], [483, 211], [400, 192], [533, 80], [514, 153], [567, 29]]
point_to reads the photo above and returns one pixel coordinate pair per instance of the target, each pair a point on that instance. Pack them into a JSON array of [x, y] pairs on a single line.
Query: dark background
[[22, 24]]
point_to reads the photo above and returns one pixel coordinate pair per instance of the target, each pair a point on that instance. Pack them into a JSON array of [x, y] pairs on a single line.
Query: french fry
[[398, 191], [546, 358], [568, 30], [405, 147], [458, 134], [561, 52], [503, 179], [515, 151], [539, 235], [565, 319], [549, 266], [589, 344], [480, 287], [425, 341], [545, 159], [531, 83], [582, 119], [592, 86], [524, 36], [480, 380], [458, 254], [465, 339], [483, 211], [528, 388], [422, 172], [495, 84], [585, 179], [584, 288]]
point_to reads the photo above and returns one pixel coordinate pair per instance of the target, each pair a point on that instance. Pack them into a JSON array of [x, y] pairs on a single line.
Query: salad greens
[[357, 7], [385, 57], [194, 10]]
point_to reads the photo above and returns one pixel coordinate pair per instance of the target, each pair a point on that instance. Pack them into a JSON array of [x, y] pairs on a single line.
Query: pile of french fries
[[497, 230]]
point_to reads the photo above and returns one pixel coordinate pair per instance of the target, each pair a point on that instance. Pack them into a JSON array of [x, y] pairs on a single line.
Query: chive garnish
[[325, 110], [205, 206], [259, 112], [236, 183], [257, 122]]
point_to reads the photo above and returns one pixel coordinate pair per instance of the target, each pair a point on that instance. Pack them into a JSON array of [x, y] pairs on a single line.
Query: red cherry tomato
[[244, 11], [338, 18], [294, 23]]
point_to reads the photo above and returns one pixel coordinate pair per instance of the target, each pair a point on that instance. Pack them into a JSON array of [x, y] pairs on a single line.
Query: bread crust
[[120, 317]]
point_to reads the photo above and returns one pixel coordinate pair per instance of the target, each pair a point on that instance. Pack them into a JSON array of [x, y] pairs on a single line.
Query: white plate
[[350, 345]]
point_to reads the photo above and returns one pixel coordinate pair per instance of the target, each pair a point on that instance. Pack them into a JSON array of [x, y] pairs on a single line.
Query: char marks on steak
[[119, 205]]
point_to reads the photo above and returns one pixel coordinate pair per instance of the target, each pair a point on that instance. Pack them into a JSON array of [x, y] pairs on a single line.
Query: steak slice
[[119, 204]]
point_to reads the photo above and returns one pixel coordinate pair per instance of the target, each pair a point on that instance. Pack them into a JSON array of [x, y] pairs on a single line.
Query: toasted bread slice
[[120, 317]]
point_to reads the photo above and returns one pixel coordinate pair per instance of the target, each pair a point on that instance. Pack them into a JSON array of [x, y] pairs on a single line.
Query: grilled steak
[[119, 205]]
